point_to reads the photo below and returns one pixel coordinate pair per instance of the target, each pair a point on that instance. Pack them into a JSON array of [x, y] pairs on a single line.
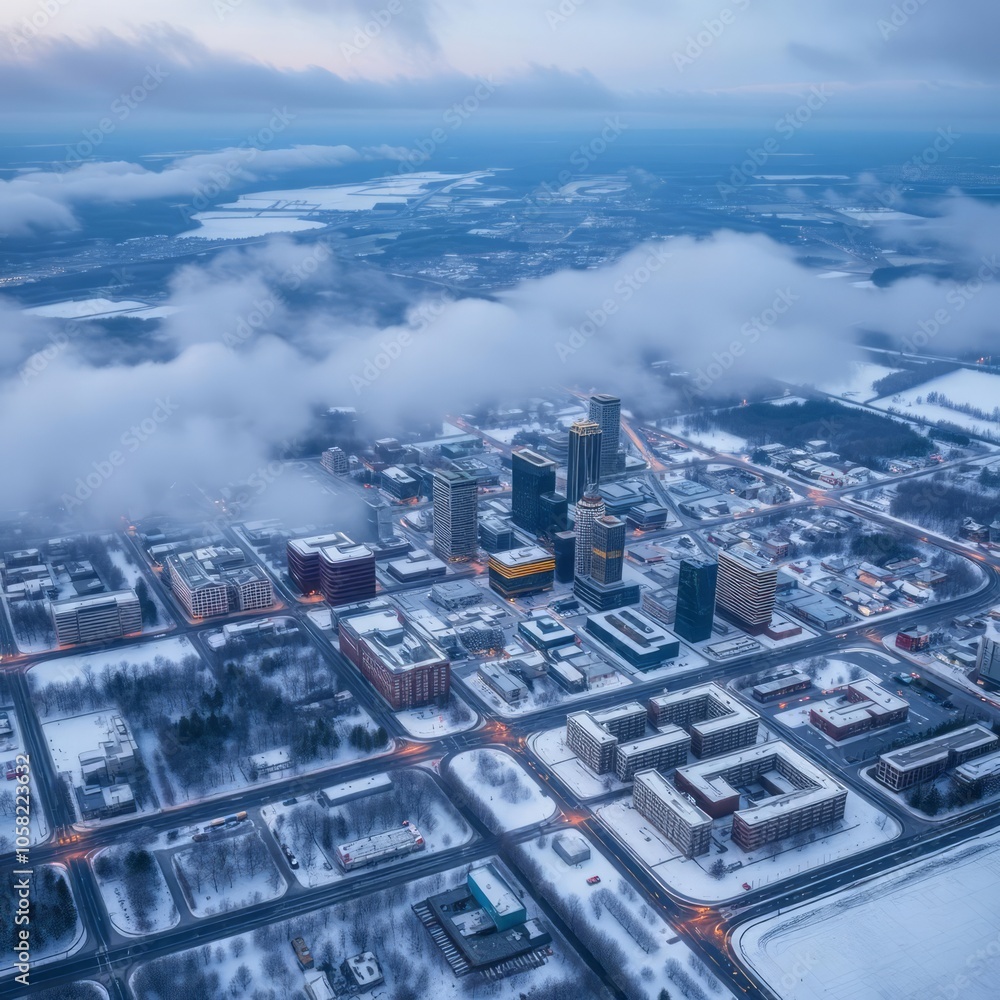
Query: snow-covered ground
[[307, 826], [858, 383], [10, 747], [240, 226], [965, 386], [431, 721], [100, 308], [52, 950], [161, 915], [551, 749], [862, 827], [926, 930], [228, 874], [713, 439], [628, 935], [70, 668], [382, 922], [508, 797], [545, 695]]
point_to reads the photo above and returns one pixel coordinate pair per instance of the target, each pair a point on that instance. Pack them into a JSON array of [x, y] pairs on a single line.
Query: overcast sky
[[892, 69]]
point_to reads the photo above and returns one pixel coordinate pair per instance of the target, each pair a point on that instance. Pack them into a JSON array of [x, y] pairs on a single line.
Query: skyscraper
[[608, 552], [696, 599], [606, 412], [532, 476], [456, 521], [988, 660], [588, 510], [745, 588], [584, 468]]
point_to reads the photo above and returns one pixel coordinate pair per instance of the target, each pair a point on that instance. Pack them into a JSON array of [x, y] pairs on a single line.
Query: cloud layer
[[264, 336]]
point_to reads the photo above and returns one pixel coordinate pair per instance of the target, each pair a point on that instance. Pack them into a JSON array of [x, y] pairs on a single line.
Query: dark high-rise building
[[456, 515], [564, 544], [533, 475], [695, 599], [347, 573], [606, 412], [584, 467], [554, 511], [607, 549], [588, 510]]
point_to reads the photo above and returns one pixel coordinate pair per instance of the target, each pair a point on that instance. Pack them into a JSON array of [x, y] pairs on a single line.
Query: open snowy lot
[[926, 930], [227, 874], [505, 796], [431, 721], [858, 383], [977, 392], [134, 891], [628, 936]]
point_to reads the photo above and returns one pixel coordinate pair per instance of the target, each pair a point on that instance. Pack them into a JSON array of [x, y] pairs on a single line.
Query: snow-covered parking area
[[927, 930]]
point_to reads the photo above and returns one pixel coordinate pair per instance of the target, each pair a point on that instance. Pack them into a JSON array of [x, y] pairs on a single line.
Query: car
[[746, 885], [593, 880]]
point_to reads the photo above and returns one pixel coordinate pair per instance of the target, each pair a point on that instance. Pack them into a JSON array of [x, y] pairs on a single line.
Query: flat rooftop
[[960, 741], [676, 801], [80, 603], [723, 710], [668, 736], [517, 558], [592, 727]]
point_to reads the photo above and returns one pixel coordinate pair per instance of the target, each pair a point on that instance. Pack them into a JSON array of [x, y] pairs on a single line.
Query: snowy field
[[71, 668], [507, 797], [859, 382], [623, 932], [99, 308], [228, 874], [430, 722], [551, 749], [313, 831], [862, 827], [10, 747], [966, 386], [713, 439], [934, 925], [412, 964], [155, 910], [233, 226]]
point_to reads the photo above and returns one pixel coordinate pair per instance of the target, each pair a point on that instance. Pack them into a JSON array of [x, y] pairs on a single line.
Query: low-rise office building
[[869, 706], [499, 680], [920, 762], [634, 636]]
